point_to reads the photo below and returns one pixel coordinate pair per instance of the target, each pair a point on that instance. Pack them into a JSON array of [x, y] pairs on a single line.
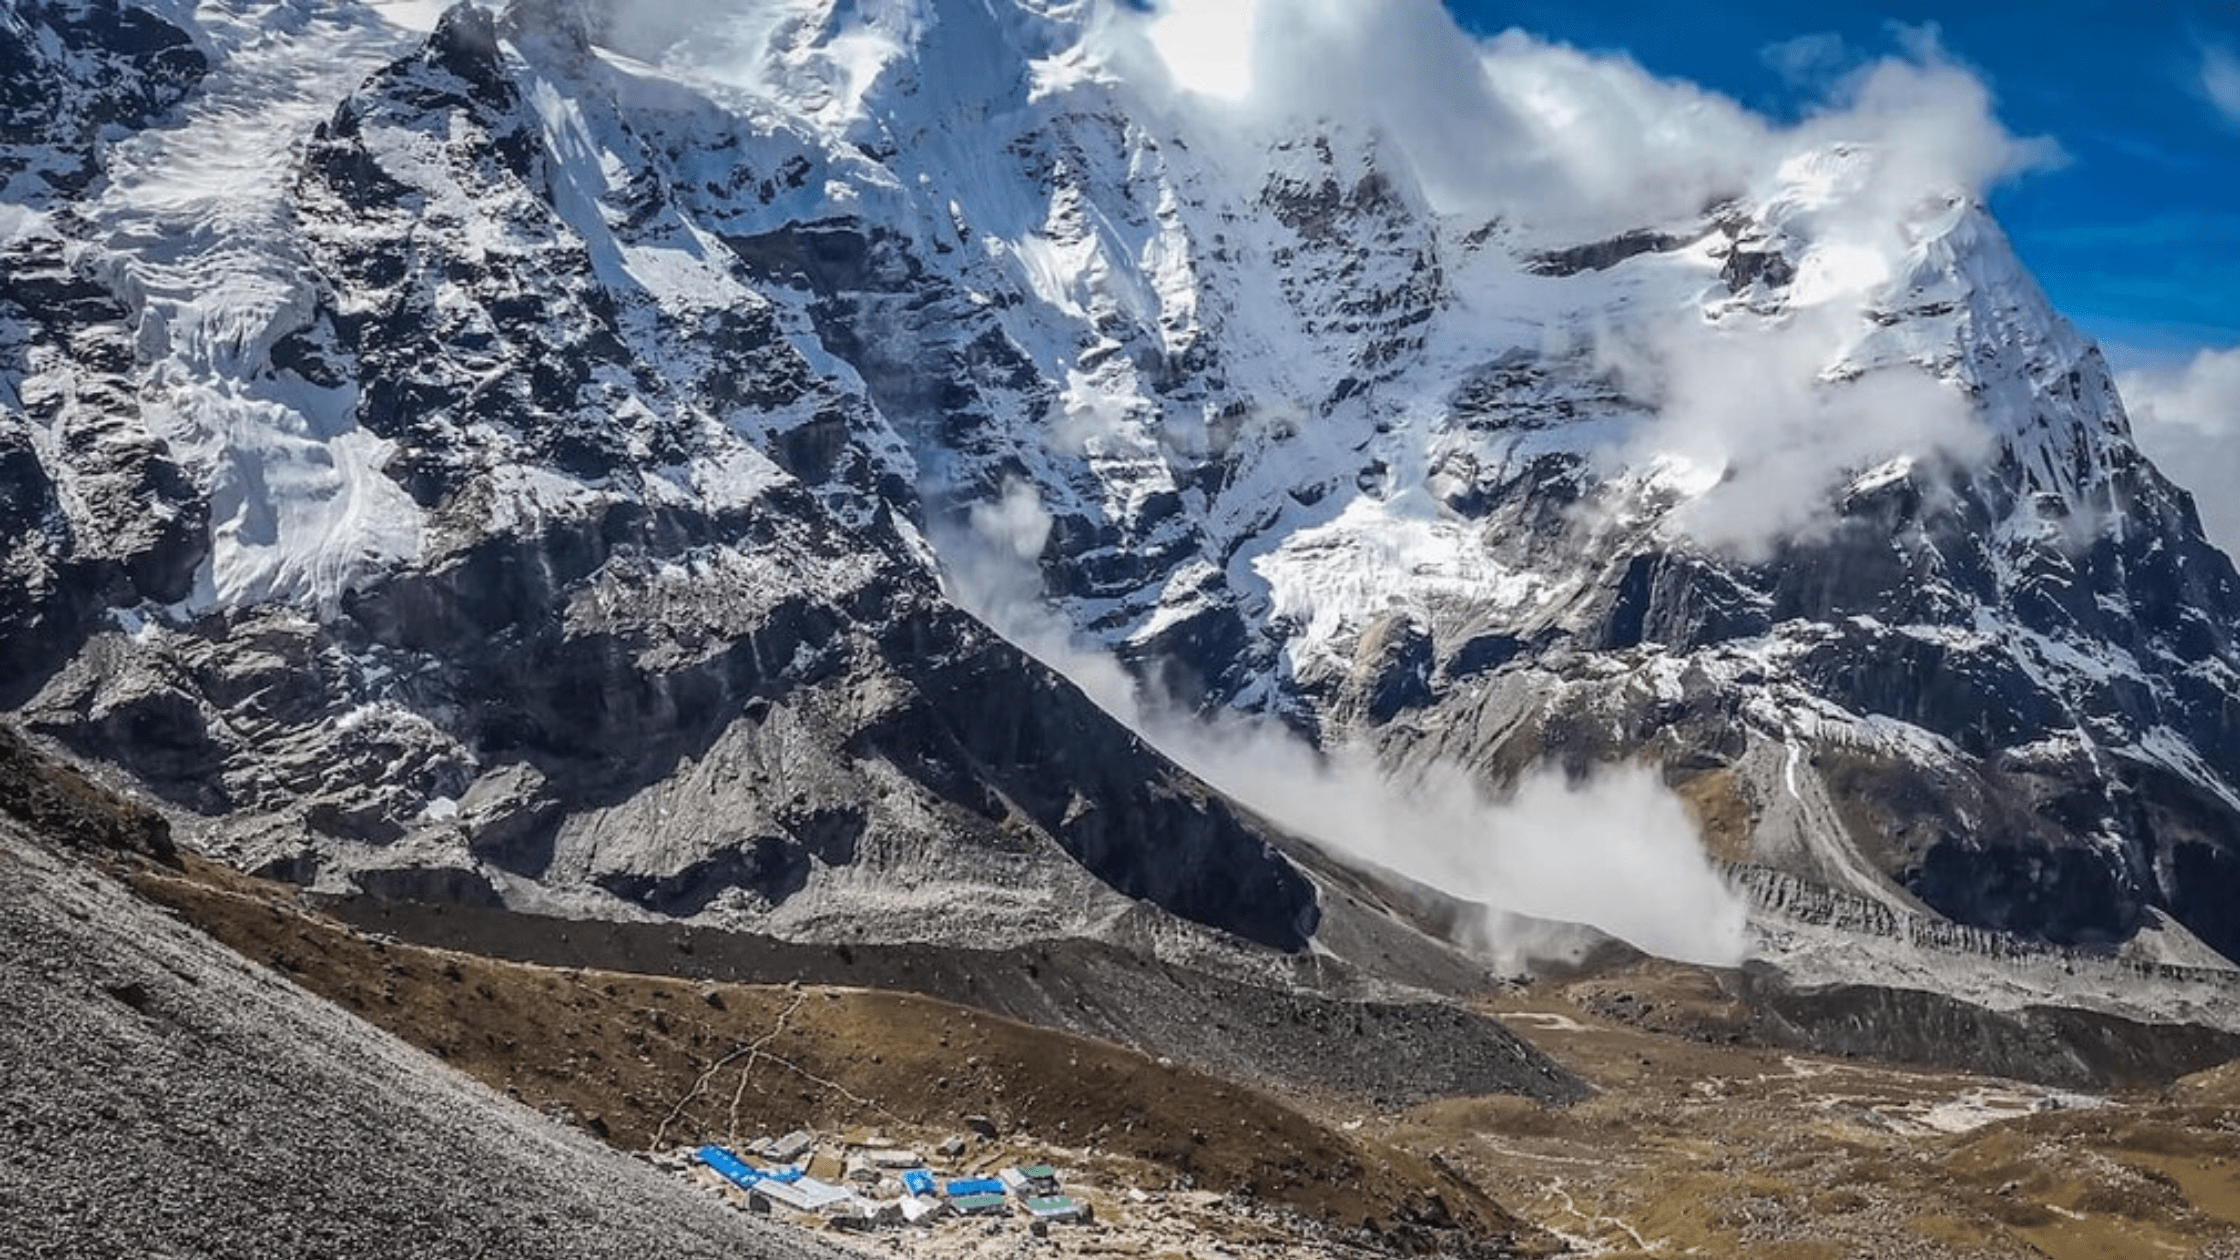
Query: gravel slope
[[161, 1098]]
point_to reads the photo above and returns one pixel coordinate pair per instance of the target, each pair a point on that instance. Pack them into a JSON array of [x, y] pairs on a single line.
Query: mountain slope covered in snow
[[570, 454]]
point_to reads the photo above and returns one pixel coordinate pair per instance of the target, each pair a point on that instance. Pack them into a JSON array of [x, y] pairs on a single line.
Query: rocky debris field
[[161, 1097], [1328, 1032]]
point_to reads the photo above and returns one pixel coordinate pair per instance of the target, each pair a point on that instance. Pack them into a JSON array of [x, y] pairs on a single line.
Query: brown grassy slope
[[1762, 1154], [60, 803], [646, 1059]]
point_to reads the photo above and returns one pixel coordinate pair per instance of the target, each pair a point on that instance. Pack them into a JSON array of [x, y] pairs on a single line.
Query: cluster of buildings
[[885, 1185]]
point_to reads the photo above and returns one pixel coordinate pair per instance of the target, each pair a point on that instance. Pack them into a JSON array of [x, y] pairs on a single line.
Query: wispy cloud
[[1779, 448], [2220, 81], [1808, 60], [2187, 419], [1543, 133]]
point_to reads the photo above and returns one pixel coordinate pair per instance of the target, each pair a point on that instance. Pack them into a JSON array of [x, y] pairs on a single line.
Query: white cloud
[[1208, 46], [2220, 81], [1504, 127], [1808, 59], [1397, 69], [1618, 851], [1758, 432], [1546, 134], [1017, 522], [1624, 148], [1929, 124], [2187, 420]]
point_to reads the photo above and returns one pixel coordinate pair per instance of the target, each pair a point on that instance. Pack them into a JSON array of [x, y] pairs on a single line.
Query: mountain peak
[[632, 427]]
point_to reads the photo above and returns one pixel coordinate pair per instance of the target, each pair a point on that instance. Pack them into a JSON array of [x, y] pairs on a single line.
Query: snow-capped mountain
[[568, 453]]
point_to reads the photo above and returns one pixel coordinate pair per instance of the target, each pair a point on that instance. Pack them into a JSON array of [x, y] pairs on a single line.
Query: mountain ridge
[[577, 480]]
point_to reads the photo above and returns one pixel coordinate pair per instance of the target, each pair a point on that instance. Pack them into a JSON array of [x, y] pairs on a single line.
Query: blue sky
[[2136, 235]]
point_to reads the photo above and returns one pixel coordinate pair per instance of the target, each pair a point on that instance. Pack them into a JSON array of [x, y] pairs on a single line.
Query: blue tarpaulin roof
[[984, 1185], [729, 1166], [918, 1181]]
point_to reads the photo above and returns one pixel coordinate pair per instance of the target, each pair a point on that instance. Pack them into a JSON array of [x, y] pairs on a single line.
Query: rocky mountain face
[[71, 445], [549, 459], [500, 572]]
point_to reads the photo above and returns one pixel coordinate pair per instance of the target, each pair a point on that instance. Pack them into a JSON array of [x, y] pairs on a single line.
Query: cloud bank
[[2187, 420], [1618, 852], [1521, 127]]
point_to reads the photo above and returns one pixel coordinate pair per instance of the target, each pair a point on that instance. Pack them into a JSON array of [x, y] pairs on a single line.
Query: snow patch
[[198, 244]]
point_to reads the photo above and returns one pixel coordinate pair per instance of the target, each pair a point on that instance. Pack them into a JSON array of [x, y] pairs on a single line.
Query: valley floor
[[1689, 1144], [1743, 1152]]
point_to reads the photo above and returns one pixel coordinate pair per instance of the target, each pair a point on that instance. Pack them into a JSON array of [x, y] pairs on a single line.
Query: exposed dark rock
[[60, 802], [2056, 1046], [1605, 254], [2067, 895], [771, 867], [429, 885], [1746, 268], [1483, 654], [67, 70], [998, 741], [1392, 668], [1680, 601]]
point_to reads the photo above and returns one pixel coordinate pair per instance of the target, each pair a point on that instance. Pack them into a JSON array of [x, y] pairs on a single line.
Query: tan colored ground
[[650, 1062], [1737, 1152], [1690, 1148]]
